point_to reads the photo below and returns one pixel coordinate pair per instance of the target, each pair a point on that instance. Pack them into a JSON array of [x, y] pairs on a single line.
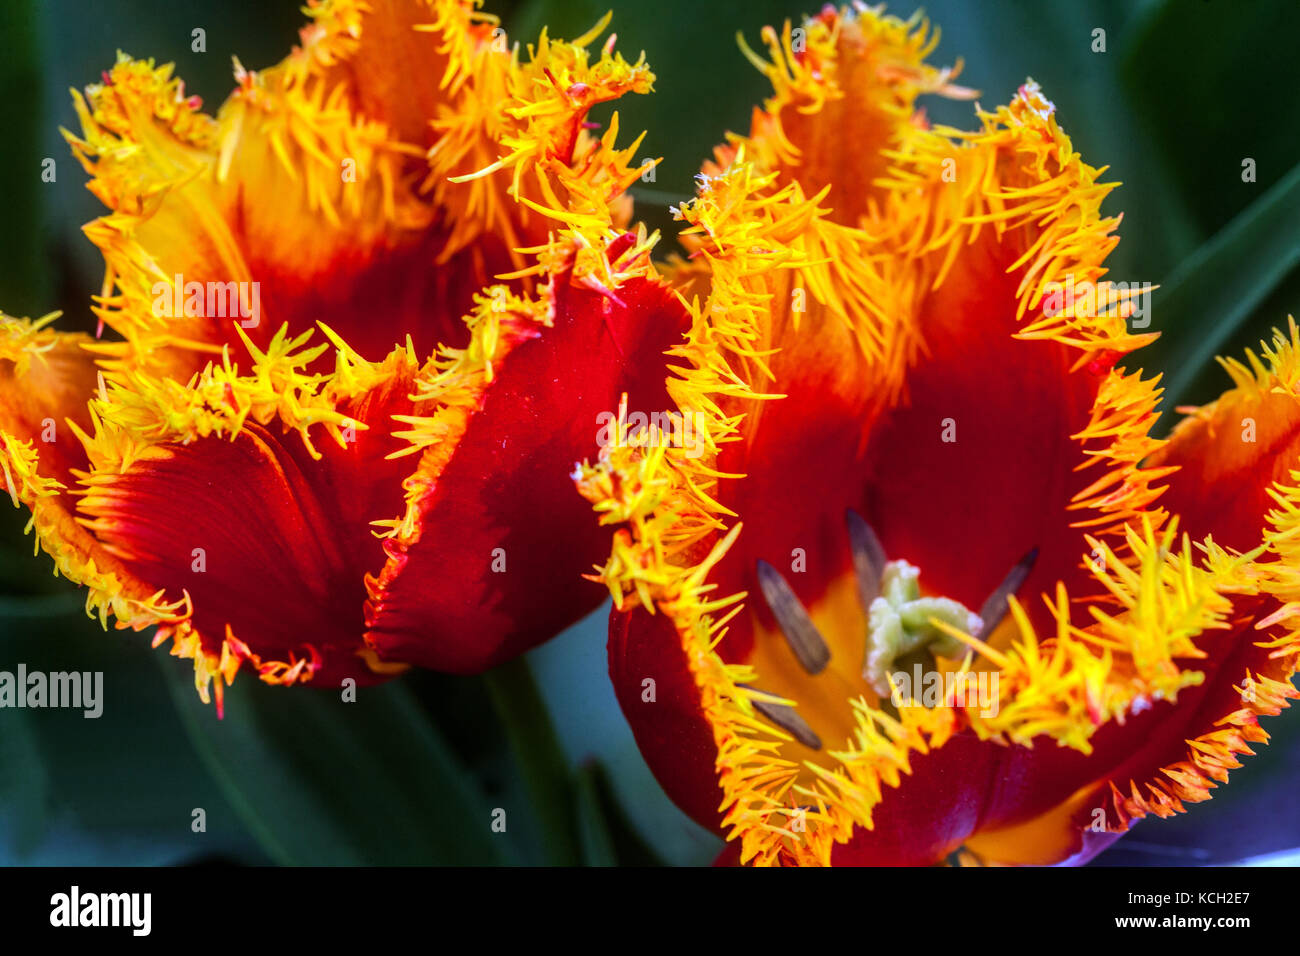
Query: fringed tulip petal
[[531, 388], [1235, 454], [261, 485], [45, 378], [990, 259], [318, 193], [845, 88]]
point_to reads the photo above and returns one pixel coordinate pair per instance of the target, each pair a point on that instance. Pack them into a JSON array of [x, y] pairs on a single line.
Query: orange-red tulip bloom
[[932, 585], [327, 428]]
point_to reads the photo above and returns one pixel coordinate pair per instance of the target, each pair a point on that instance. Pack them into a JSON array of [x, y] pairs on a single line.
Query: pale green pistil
[[899, 623]]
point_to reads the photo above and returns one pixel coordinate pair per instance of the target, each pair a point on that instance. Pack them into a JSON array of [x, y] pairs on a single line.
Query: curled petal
[[44, 376], [1232, 455], [531, 389], [265, 532]]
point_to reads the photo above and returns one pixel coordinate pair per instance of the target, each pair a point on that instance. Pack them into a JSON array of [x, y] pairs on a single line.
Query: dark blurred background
[[1183, 93]]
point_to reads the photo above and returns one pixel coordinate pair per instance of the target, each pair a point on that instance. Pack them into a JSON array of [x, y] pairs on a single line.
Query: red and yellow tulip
[[357, 327], [924, 457], [353, 328]]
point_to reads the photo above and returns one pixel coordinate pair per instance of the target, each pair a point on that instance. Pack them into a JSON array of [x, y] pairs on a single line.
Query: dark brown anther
[[995, 607], [788, 719], [800, 632], [869, 557]]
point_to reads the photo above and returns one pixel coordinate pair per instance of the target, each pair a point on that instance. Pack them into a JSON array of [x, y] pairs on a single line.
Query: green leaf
[[118, 788], [322, 781], [647, 828], [594, 829], [608, 836], [24, 784], [1206, 120], [539, 758], [1219, 288], [24, 286]]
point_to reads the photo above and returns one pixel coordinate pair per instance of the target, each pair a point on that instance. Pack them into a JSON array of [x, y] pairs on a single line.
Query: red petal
[[507, 486], [286, 540], [674, 736]]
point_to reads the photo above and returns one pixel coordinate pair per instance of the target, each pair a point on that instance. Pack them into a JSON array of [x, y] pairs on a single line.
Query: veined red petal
[[657, 693], [500, 510], [270, 538]]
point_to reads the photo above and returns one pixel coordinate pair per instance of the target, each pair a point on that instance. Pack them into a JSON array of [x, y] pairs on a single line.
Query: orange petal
[[1232, 452], [46, 378], [845, 88], [1231, 478], [312, 192]]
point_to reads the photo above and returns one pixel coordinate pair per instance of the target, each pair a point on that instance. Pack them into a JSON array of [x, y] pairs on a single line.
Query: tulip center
[[901, 623], [876, 642]]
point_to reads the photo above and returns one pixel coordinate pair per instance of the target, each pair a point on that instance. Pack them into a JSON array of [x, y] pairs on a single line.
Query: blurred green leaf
[[119, 788], [321, 781], [1220, 286], [23, 282], [1243, 280], [1208, 81], [608, 836], [594, 829], [561, 18], [24, 786], [539, 758], [23, 574], [647, 828]]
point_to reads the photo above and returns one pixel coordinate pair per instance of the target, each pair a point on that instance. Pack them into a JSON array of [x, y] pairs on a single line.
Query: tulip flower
[[355, 329], [933, 591]]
